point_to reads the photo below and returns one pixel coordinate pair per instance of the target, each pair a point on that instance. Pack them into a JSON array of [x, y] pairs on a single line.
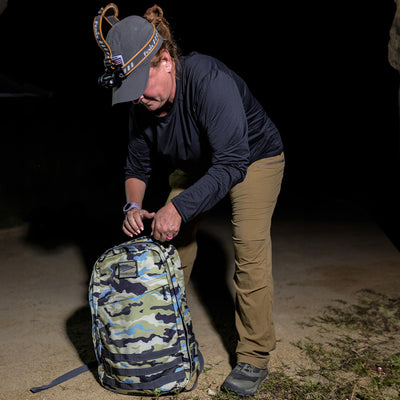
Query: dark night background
[[320, 69]]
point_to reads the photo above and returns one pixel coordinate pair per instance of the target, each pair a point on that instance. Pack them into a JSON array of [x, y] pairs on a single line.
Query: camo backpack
[[141, 325]]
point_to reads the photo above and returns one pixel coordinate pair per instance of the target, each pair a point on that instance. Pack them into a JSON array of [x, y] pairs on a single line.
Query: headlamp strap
[[116, 71], [98, 32]]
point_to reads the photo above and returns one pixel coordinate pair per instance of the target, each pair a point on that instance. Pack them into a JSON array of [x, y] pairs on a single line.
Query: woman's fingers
[[133, 222]]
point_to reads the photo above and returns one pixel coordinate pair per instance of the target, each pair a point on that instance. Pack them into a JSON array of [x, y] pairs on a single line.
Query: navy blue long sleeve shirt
[[214, 131]]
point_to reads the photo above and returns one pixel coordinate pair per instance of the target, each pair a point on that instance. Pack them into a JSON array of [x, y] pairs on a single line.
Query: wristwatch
[[130, 206]]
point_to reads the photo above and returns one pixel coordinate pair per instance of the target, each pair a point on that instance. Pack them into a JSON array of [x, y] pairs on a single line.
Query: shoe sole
[[239, 391]]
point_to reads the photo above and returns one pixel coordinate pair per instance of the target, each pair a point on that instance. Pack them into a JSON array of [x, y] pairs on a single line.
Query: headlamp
[[112, 77]]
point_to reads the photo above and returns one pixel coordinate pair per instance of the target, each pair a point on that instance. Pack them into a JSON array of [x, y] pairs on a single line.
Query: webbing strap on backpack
[[201, 367], [65, 377], [83, 368]]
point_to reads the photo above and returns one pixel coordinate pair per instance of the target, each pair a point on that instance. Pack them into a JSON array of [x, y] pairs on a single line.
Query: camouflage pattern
[[142, 329]]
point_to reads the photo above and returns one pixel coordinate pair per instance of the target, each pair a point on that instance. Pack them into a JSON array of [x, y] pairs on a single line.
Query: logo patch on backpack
[[127, 270]]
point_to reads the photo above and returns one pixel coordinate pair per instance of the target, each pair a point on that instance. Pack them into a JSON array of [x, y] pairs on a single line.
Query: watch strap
[[130, 206]]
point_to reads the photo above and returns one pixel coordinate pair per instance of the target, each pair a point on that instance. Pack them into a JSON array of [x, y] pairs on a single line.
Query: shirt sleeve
[[138, 161], [221, 116]]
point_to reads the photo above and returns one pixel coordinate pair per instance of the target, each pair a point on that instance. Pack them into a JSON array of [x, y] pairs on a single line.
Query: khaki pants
[[253, 202]]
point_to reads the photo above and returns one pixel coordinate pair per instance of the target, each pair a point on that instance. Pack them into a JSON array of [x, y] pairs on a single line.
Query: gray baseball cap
[[133, 42]]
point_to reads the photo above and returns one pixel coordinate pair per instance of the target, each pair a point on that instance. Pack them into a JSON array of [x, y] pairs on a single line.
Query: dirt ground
[[45, 320]]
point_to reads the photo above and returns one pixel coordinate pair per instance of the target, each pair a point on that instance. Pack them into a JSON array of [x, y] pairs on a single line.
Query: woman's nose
[[137, 101]]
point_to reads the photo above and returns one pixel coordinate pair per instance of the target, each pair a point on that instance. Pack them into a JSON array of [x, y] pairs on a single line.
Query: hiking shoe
[[244, 379]]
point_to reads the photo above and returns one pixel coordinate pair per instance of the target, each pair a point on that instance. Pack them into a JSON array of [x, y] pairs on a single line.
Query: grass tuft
[[357, 357]]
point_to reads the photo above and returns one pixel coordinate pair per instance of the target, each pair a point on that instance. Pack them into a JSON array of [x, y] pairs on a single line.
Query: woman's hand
[[166, 223], [133, 222]]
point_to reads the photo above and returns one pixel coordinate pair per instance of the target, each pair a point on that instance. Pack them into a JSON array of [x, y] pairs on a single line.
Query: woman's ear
[[166, 60]]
